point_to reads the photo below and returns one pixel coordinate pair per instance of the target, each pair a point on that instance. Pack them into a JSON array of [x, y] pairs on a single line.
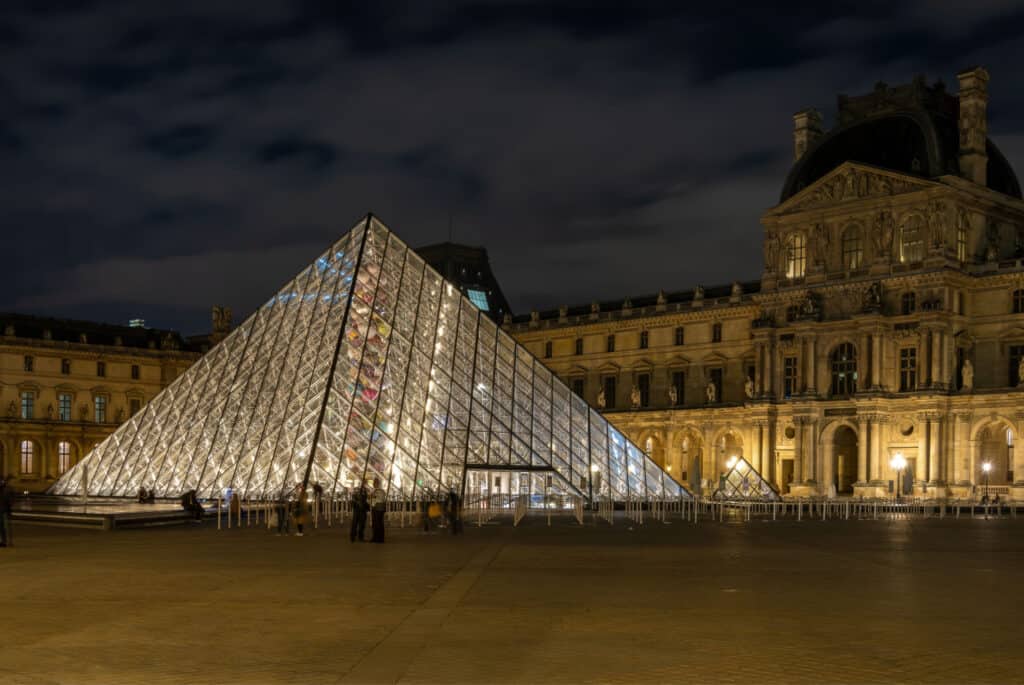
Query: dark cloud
[[160, 158]]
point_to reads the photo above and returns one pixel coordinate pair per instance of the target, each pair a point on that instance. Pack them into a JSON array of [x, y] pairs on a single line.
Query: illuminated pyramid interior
[[744, 482], [368, 365]]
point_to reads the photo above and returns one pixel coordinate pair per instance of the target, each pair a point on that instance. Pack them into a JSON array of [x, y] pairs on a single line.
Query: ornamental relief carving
[[855, 184]]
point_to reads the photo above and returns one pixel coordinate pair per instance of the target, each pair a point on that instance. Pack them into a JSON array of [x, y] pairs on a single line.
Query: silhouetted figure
[[453, 509], [378, 506], [360, 505], [6, 504], [300, 508], [190, 503]]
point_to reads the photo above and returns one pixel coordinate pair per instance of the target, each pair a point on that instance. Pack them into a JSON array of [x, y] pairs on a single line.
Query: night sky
[[158, 158]]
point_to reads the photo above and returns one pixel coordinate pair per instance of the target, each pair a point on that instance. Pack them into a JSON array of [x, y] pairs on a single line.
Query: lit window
[[63, 456], [64, 406], [479, 298], [796, 256], [908, 369], [912, 240], [28, 404], [853, 248], [961, 243], [1009, 437], [100, 407], [844, 370], [28, 456]]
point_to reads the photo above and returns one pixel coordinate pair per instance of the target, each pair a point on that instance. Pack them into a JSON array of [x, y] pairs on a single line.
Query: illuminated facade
[[66, 385], [368, 366], [888, 321]]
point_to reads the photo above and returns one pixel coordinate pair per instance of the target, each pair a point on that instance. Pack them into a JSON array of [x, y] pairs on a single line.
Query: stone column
[[1018, 452], [759, 459], [921, 465], [769, 368], [864, 363], [809, 452], [862, 449], [798, 451], [963, 450], [812, 367], [759, 369], [876, 360], [876, 448], [936, 357], [934, 438]]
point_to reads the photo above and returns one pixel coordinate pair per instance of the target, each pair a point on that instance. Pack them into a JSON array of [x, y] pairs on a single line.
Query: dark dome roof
[[919, 143]]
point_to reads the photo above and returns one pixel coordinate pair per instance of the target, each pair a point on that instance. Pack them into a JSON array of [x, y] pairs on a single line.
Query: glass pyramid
[[366, 365], [744, 482]]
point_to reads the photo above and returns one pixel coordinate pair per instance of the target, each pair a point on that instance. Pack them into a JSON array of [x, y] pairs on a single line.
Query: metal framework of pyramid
[[368, 364], [744, 482]]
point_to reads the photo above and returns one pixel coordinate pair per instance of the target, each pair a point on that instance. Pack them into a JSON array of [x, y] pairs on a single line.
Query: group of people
[[146, 496], [363, 502], [6, 504], [450, 507], [190, 503]]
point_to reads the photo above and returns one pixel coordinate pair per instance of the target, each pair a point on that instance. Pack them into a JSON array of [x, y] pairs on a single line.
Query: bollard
[[218, 513]]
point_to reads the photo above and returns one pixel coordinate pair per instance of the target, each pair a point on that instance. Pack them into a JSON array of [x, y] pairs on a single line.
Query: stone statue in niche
[[120, 414], [12, 410], [1020, 373], [937, 224], [673, 395], [882, 235], [873, 298], [748, 387], [602, 401], [634, 397], [737, 289], [820, 245], [967, 375], [810, 307], [711, 392], [49, 412], [83, 412], [992, 241], [772, 245]]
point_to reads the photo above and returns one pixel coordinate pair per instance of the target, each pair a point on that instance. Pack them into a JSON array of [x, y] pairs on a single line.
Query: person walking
[[453, 507], [283, 517], [360, 504], [378, 501], [301, 511], [6, 502]]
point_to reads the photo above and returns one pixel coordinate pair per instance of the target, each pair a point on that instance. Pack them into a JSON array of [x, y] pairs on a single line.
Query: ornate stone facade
[[889, 319], [66, 385]]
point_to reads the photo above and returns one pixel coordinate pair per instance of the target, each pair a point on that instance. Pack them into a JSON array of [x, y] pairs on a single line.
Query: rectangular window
[[1018, 301], [716, 380], [64, 406], [30, 363], [101, 369], [1016, 353], [28, 404], [611, 343], [644, 340], [609, 392], [908, 303], [679, 384], [716, 332], [908, 369], [643, 382], [789, 377], [579, 346], [28, 464], [577, 386], [65, 367], [135, 372], [134, 405], [680, 335], [547, 350], [961, 243], [63, 456], [100, 407]]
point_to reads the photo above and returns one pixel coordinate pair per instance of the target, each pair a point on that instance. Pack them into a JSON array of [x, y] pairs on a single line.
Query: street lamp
[[898, 463], [985, 468]]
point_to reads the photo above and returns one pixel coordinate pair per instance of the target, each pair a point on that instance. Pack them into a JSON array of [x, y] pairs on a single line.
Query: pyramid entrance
[[367, 365]]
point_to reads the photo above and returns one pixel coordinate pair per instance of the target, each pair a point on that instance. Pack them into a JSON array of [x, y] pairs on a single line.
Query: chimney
[[973, 124], [806, 129]]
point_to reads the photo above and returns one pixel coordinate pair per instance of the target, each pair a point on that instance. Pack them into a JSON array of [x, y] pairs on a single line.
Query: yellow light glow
[[898, 462], [986, 466], [731, 462]]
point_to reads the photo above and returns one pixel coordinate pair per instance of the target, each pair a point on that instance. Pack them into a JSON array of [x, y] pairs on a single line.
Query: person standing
[[359, 506], [378, 501], [301, 510], [454, 511], [281, 513], [6, 500]]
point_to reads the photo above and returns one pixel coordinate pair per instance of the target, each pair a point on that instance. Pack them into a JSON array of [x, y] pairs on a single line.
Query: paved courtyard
[[870, 601]]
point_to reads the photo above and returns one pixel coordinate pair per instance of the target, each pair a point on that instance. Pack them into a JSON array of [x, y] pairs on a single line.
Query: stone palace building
[[888, 321]]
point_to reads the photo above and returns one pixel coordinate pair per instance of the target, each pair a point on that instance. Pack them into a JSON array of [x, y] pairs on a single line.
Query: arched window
[[796, 255], [28, 456], [853, 247], [912, 240], [63, 456], [844, 370]]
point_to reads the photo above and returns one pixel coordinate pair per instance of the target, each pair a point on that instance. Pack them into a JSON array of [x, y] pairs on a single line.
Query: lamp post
[[898, 463], [985, 468]]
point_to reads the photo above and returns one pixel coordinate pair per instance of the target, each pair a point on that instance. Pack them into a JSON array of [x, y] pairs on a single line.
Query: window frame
[[27, 399], [911, 245], [136, 372], [100, 404], [101, 369], [1017, 301], [716, 332], [679, 383], [908, 303], [790, 376], [609, 343], [843, 372], [645, 340], [608, 384], [908, 369], [65, 367], [796, 255], [680, 335], [63, 416], [853, 247], [27, 454], [29, 363], [643, 383], [63, 457], [548, 349], [578, 346]]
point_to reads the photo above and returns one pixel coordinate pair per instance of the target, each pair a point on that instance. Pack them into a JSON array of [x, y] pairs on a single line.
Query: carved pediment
[[714, 358], [851, 181]]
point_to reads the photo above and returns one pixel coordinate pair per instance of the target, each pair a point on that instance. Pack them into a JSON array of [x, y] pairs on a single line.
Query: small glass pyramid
[[366, 365], [744, 482]]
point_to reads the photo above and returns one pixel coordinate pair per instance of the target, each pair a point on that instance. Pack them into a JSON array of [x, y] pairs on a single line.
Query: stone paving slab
[[885, 601]]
